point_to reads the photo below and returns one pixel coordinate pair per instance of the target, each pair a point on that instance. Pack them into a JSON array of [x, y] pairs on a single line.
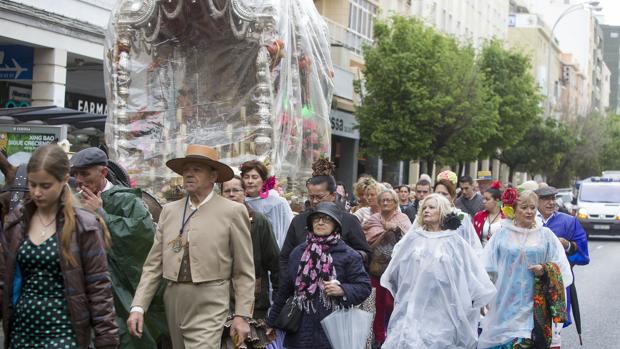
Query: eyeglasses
[[387, 200], [317, 197], [232, 190], [321, 217]]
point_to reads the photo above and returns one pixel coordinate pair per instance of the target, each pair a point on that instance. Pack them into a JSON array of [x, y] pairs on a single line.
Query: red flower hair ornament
[[497, 185], [269, 184], [509, 200]]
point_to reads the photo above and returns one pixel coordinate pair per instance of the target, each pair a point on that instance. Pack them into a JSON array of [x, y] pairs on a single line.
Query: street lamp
[[592, 5]]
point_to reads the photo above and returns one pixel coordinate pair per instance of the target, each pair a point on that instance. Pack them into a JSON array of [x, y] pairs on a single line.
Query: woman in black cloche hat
[[320, 275]]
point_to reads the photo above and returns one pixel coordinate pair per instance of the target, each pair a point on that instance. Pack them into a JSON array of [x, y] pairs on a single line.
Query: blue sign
[[16, 62]]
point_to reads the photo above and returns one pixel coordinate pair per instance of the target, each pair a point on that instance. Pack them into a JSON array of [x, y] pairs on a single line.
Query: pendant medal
[[177, 244]]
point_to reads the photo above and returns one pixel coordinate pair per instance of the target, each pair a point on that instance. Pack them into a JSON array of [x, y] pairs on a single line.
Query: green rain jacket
[[132, 231]]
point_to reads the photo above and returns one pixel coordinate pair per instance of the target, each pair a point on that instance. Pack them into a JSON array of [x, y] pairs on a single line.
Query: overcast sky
[[611, 11]]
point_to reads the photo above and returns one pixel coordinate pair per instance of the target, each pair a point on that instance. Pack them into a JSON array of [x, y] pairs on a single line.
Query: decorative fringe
[[257, 339]]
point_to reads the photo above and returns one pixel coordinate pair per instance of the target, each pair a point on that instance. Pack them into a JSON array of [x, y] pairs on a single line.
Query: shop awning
[[53, 115]]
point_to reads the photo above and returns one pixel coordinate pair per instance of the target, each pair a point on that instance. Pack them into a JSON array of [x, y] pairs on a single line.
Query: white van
[[598, 205]]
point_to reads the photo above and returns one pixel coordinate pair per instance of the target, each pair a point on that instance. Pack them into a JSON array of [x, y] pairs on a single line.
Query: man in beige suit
[[202, 244]]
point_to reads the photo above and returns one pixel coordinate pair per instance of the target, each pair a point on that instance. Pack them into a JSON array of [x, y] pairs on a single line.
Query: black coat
[[353, 279], [352, 234], [412, 211]]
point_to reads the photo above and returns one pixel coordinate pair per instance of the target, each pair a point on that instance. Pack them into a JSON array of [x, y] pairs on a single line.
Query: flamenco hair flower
[[449, 175], [497, 185], [269, 184], [510, 196], [509, 200]]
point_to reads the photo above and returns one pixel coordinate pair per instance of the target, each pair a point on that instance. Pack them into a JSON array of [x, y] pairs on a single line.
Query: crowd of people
[[449, 262]]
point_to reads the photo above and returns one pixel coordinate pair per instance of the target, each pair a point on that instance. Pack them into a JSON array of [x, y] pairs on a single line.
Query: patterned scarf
[[549, 304], [316, 266]]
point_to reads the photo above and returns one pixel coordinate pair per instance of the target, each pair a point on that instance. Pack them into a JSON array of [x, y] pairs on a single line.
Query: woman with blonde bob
[[520, 256], [438, 283], [371, 190]]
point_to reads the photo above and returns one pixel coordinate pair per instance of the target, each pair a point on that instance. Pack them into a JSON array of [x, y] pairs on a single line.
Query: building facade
[[60, 43], [527, 33], [611, 57], [573, 99], [578, 31], [473, 21]]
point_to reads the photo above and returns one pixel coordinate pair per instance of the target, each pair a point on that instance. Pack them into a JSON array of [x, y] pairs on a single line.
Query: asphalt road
[[598, 287]]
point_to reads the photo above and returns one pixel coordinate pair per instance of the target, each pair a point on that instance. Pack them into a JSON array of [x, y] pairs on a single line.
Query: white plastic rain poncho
[[277, 210], [439, 286], [466, 231], [507, 257]]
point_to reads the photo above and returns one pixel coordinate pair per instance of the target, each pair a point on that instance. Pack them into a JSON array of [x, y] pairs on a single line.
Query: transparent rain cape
[[252, 78], [507, 257], [466, 231], [439, 286]]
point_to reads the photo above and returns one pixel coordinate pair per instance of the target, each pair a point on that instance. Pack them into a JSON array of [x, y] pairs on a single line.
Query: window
[[362, 15], [613, 35]]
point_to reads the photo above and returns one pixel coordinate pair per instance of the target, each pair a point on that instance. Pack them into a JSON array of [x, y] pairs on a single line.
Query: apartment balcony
[[341, 35]]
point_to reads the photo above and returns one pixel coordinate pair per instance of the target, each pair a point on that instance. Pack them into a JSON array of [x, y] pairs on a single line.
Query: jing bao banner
[[26, 139]]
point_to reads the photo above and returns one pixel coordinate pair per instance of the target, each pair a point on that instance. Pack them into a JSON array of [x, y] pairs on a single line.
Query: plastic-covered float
[[252, 78]]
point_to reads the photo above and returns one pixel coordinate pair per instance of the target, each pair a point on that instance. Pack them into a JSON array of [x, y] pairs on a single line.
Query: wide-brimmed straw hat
[[202, 154]]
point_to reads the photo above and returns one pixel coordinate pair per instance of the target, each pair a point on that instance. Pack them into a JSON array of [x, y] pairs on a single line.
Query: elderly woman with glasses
[[321, 275], [438, 283], [383, 230]]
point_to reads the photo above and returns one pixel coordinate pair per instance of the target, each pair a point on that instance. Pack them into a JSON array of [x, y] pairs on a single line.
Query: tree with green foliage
[[542, 148], [592, 136], [610, 157], [508, 79], [423, 96]]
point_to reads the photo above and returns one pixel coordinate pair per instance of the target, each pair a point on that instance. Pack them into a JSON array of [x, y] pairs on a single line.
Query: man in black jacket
[[422, 190], [323, 189]]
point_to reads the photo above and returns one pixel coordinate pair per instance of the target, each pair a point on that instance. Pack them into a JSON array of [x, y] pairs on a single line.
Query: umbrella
[[575, 306], [347, 328]]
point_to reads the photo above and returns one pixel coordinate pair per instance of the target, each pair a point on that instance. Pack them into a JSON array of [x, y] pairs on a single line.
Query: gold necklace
[[44, 232]]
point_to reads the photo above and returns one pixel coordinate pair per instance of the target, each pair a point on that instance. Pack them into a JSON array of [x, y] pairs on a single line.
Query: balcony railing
[[341, 35]]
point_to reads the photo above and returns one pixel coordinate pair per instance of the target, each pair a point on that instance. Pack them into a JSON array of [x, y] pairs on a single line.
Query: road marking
[[599, 247]]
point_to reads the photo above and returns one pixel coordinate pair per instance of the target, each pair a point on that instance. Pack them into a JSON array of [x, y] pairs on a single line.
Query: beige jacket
[[220, 248]]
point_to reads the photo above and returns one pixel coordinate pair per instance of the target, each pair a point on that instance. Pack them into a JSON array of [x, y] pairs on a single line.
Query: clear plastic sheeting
[[252, 78]]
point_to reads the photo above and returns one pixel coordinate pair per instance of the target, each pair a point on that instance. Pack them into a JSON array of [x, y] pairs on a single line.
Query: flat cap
[[546, 191], [89, 157]]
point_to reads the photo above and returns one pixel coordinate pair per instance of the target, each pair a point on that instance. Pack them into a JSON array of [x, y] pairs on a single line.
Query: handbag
[[382, 251], [289, 318]]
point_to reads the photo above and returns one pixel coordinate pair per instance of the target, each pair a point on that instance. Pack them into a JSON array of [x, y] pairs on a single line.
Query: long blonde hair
[[53, 160]]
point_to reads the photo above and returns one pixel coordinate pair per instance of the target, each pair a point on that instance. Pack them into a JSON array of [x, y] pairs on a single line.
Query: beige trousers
[[196, 313]]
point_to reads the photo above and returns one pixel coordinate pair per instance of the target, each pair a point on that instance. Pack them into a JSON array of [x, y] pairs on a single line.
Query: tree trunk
[[511, 173]]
